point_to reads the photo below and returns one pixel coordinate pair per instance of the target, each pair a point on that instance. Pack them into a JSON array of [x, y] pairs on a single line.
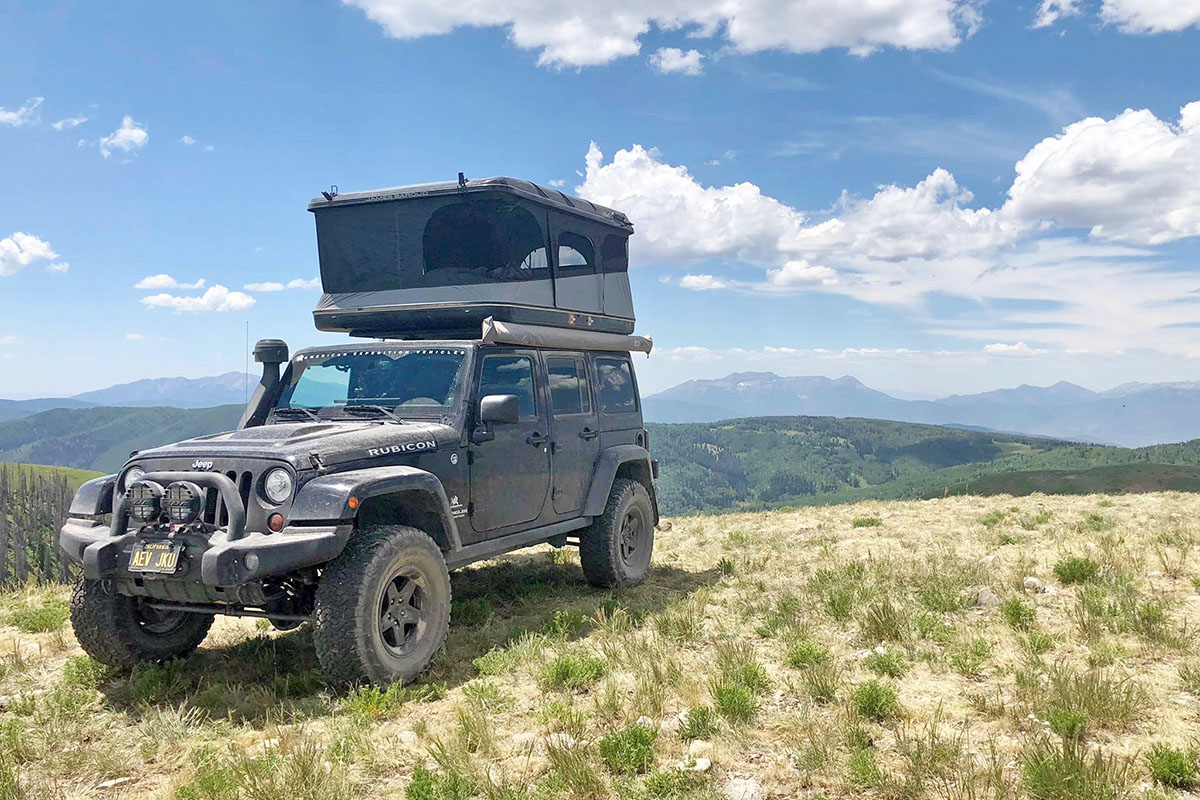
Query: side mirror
[[499, 409]]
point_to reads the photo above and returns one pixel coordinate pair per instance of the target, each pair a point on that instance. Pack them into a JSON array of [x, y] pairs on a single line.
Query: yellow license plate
[[155, 557]]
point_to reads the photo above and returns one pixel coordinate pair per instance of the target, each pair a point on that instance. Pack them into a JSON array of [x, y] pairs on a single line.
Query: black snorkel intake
[[270, 353]]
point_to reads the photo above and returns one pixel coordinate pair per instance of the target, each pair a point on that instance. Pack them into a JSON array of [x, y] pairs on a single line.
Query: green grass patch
[[49, 615], [890, 663], [876, 701], [1173, 768], [570, 671], [629, 751], [866, 522], [1076, 569]]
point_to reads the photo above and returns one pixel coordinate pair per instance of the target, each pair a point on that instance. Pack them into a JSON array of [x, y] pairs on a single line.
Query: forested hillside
[[102, 438], [772, 461]]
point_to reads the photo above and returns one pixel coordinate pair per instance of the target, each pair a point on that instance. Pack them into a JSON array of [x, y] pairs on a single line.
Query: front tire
[[615, 550], [382, 607], [120, 631]]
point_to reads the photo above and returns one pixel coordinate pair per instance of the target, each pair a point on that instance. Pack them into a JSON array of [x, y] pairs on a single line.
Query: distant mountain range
[[1130, 415], [218, 390]]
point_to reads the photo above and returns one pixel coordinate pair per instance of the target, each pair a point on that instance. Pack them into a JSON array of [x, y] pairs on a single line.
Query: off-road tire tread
[[333, 630], [104, 625], [599, 553]]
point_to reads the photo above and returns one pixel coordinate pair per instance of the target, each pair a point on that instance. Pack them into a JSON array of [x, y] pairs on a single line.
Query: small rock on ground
[[742, 789], [700, 749], [986, 598], [1033, 585]]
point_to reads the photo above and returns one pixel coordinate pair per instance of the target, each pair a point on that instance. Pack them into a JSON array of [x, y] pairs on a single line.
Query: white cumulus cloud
[[1134, 178], [590, 32], [679, 218], [165, 281], [671, 59], [135, 337], [218, 299], [1151, 16], [25, 115], [306, 284], [799, 272], [58, 266], [129, 138], [22, 249]]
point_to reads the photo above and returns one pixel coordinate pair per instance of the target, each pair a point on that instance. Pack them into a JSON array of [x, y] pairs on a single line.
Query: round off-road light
[[134, 475], [144, 500], [277, 485], [183, 502]]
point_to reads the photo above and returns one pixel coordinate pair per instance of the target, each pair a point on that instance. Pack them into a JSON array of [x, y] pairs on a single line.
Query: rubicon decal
[[423, 446]]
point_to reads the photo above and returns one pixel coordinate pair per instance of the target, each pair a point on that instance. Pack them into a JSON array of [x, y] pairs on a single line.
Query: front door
[[510, 474], [576, 434]]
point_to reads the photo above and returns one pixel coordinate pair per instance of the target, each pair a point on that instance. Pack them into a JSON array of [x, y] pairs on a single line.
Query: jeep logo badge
[[202, 466]]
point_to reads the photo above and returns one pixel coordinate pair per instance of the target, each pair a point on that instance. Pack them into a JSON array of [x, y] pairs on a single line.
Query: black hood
[[334, 442]]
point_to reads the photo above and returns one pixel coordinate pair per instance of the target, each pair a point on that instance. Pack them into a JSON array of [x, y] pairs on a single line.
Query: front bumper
[[216, 561]]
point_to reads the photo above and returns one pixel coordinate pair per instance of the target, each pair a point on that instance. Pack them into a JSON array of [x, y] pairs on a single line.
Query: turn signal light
[[275, 522]]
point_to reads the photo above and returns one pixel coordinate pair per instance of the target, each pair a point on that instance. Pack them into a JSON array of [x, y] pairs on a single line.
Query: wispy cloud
[[1059, 105], [68, 123]]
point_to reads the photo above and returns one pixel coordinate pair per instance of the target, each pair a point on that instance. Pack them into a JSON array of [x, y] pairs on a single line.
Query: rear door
[[575, 430], [510, 475]]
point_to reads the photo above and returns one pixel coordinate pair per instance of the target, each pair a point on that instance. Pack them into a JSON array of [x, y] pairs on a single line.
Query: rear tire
[[120, 631], [615, 549], [382, 607]]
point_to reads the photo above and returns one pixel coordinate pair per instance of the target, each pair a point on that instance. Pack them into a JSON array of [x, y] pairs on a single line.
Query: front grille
[[215, 512]]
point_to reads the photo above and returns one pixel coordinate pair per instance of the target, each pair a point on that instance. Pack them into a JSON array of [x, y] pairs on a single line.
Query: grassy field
[[957, 648]]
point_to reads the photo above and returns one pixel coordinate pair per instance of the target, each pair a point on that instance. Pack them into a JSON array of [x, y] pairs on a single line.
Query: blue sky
[[933, 195]]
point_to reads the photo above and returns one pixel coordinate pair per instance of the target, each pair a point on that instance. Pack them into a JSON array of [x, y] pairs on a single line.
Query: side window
[[575, 253], [614, 253], [484, 240], [615, 390], [510, 375], [568, 385]]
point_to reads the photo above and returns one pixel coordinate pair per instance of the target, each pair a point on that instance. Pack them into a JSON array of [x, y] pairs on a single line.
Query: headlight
[[277, 486], [134, 475], [144, 500], [183, 502]]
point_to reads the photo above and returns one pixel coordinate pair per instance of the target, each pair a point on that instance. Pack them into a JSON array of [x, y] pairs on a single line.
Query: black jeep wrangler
[[360, 475]]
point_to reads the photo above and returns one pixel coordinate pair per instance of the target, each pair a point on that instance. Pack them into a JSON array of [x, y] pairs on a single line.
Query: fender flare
[[94, 498], [606, 472], [325, 499]]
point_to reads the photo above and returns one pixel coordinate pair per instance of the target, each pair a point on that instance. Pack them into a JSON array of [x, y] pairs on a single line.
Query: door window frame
[[539, 401], [581, 363]]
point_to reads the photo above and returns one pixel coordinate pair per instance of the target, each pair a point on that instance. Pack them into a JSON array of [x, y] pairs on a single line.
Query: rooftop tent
[[435, 260]]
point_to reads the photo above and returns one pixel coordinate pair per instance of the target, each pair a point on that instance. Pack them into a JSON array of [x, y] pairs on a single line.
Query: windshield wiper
[[288, 411], [367, 408]]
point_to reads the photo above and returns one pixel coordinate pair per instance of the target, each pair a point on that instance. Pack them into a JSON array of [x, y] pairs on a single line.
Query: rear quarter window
[[615, 389]]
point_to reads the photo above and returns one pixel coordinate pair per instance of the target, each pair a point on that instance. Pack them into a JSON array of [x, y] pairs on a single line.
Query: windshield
[[416, 382]]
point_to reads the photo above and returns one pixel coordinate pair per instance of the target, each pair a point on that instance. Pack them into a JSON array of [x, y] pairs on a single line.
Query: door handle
[[588, 433], [537, 440]]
